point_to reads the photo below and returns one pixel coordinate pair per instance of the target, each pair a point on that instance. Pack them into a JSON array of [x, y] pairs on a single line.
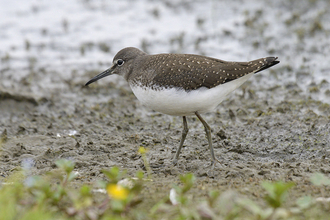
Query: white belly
[[181, 103]]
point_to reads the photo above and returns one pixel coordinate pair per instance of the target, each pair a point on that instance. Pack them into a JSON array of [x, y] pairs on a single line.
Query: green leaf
[[319, 179], [254, 208], [250, 205], [114, 174], [139, 175], [65, 165], [118, 205], [38, 214], [276, 192], [304, 202], [85, 190], [213, 196], [188, 181], [72, 176], [157, 206]]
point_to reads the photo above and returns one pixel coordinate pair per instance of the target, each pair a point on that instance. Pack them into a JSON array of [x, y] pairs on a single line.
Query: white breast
[[178, 102]]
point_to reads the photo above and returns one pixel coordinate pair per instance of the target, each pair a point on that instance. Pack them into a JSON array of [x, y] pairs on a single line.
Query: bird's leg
[[208, 135], [184, 134]]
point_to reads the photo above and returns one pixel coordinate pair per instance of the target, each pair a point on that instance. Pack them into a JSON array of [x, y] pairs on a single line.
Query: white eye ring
[[120, 62]]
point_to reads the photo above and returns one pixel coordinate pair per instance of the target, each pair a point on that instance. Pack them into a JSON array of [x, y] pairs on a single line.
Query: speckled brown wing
[[193, 71]]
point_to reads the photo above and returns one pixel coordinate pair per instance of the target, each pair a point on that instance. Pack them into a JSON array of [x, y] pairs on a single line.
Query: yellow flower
[[142, 150], [117, 191]]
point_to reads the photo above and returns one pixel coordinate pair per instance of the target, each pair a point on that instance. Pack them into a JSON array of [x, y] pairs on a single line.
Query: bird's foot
[[213, 163]]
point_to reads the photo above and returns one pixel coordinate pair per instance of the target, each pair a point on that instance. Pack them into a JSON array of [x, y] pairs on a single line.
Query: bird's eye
[[120, 62]]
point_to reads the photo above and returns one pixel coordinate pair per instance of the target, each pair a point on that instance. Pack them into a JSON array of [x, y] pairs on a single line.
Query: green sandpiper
[[182, 84]]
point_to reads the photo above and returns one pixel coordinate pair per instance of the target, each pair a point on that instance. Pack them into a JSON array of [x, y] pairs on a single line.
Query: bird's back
[[190, 72]]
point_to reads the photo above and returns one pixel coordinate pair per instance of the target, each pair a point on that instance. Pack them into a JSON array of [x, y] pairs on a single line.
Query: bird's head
[[122, 64]]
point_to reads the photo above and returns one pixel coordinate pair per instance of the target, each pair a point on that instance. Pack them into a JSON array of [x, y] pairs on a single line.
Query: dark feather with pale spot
[[191, 72]]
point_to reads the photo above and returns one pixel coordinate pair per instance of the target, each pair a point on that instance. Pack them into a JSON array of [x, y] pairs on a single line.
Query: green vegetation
[[55, 196]]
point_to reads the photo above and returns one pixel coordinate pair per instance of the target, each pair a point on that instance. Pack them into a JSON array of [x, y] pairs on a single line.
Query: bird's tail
[[268, 62]]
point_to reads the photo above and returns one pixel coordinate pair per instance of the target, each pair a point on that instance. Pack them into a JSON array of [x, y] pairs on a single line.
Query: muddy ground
[[253, 138], [261, 132]]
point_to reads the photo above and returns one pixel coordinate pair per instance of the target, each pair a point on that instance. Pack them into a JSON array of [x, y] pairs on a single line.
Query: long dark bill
[[100, 76]]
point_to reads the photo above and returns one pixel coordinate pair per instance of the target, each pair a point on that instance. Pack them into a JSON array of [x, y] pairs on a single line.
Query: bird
[[182, 84]]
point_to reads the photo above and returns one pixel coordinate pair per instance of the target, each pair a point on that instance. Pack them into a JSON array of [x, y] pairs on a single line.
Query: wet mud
[[254, 138], [262, 131]]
